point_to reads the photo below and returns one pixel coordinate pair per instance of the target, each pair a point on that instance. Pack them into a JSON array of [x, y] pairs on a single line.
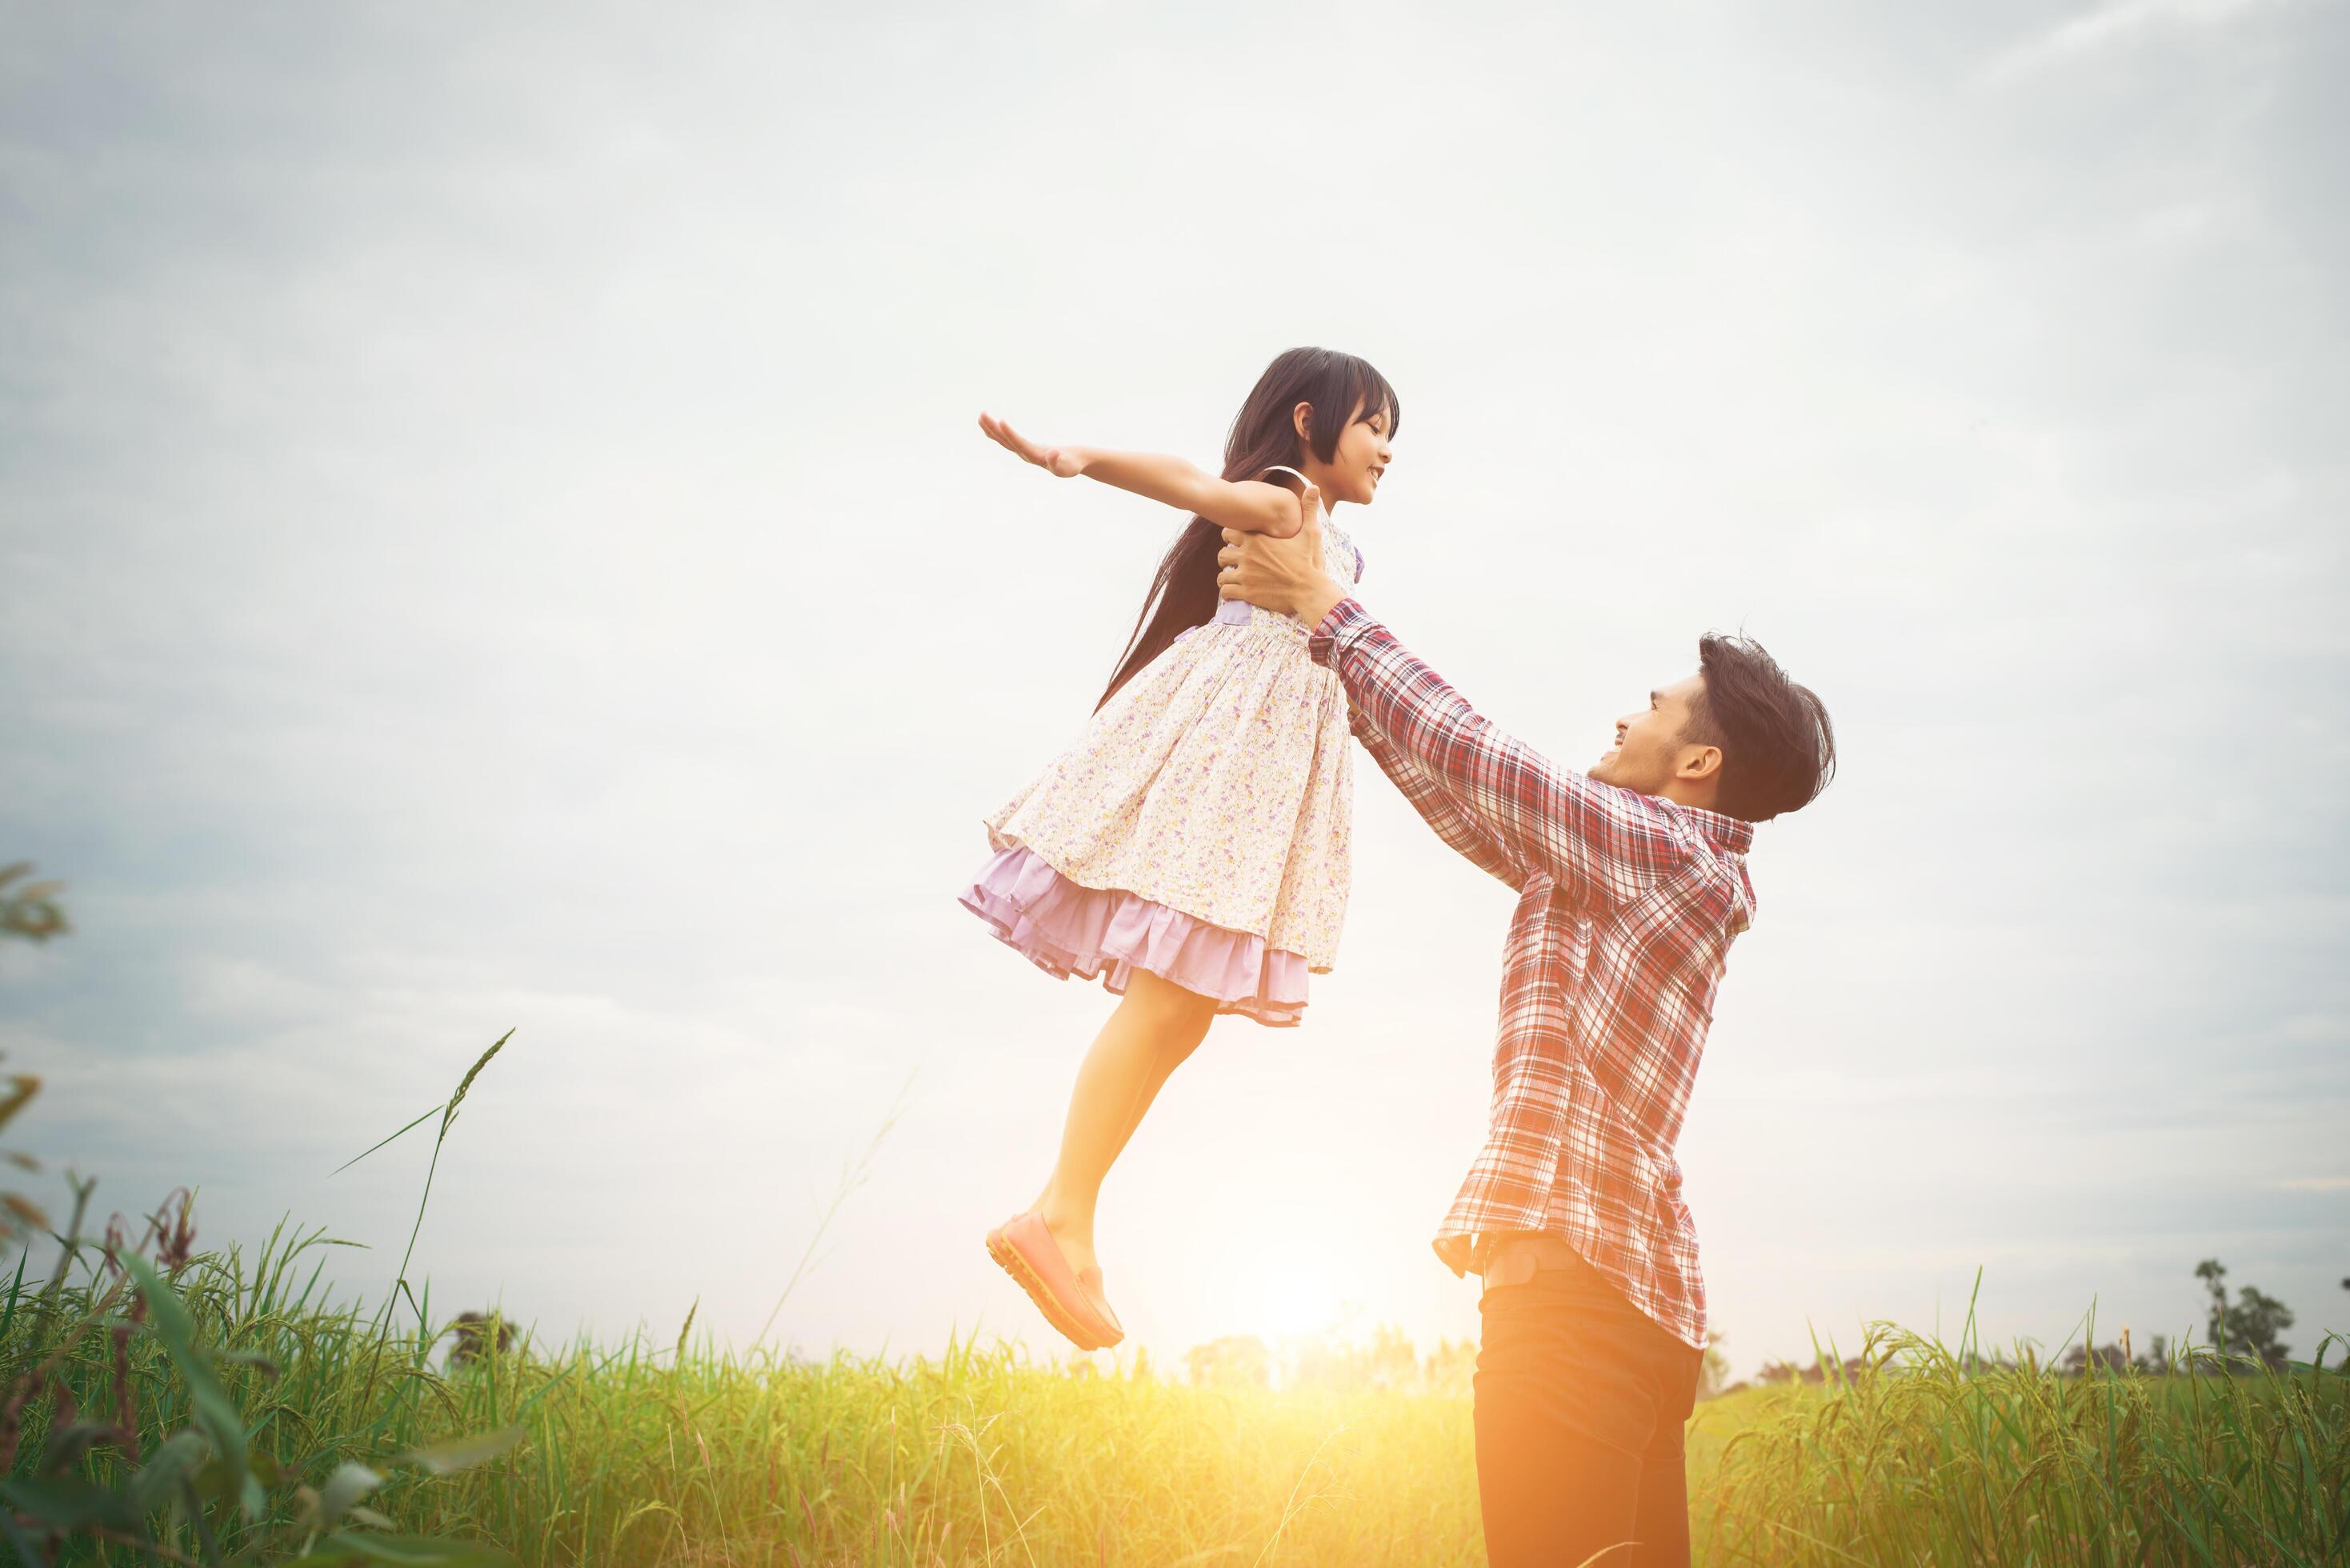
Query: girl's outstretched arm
[[1247, 505]]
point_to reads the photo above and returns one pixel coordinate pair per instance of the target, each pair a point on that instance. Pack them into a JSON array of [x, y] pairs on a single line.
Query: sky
[[493, 536]]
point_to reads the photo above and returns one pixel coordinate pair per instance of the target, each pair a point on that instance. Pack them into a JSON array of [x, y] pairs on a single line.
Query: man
[[1632, 884]]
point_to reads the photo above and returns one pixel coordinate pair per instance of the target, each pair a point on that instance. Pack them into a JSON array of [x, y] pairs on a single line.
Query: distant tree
[[1819, 1371], [1450, 1368], [2253, 1326], [476, 1332], [1385, 1360], [2254, 1323], [1713, 1377], [1390, 1360], [2081, 1358], [2211, 1272], [1235, 1361]]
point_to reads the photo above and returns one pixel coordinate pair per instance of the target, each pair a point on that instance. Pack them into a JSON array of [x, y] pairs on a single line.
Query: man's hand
[[1060, 462], [1284, 575]]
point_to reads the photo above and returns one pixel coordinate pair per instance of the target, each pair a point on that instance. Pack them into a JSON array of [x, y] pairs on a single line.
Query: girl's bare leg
[[1157, 1025]]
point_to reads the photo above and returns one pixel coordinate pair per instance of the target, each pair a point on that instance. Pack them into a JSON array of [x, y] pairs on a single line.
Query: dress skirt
[[1199, 828]]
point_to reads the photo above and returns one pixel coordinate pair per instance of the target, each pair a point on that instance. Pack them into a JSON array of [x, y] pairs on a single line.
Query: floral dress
[[1199, 827]]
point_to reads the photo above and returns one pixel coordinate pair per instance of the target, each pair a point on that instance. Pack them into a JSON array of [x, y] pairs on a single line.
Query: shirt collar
[[1731, 835]]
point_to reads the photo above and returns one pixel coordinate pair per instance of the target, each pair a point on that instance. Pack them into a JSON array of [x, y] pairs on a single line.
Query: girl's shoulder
[[1283, 518]]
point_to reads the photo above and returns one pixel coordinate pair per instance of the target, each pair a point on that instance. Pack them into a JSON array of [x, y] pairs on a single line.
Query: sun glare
[[1294, 1304]]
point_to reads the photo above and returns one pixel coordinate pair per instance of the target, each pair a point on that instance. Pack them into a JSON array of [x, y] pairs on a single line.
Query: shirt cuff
[[1346, 620]]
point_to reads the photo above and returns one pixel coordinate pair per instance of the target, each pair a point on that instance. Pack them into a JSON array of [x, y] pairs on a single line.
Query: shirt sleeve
[[1435, 805], [1605, 846]]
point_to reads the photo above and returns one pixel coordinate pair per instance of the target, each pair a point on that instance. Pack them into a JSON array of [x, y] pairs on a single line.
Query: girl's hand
[[1060, 462]]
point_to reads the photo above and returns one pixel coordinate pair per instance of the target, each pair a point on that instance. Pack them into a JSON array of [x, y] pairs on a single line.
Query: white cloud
[[2120, 24]]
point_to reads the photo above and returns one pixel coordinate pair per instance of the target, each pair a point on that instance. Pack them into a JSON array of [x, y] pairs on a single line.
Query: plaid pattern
[[1627, 906]]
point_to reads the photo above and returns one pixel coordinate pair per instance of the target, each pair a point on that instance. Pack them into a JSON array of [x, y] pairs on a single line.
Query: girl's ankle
[[1069, 1229], [1059, 1215]]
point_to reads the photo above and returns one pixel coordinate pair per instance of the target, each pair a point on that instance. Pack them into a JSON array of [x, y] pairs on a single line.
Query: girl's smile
[[1358, 462]]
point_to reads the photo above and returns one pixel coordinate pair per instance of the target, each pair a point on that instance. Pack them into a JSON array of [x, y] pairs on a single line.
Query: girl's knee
[[1172, 1011]]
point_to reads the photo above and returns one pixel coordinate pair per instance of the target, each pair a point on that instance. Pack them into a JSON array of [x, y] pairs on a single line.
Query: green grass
[[680, 1453], [1928, 1464], [677, 1453], [639, 1454]]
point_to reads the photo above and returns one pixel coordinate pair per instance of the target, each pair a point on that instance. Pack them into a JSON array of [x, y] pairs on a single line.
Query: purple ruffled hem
[[1065, 928]]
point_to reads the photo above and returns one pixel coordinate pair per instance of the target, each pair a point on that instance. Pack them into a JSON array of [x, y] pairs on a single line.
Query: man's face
[[1648, 746]]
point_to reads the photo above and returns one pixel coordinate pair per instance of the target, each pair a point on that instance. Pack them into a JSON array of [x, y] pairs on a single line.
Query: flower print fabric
[[1199, 827]]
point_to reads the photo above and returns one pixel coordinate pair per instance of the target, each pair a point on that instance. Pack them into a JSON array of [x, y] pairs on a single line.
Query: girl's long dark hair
[[1183, 594]]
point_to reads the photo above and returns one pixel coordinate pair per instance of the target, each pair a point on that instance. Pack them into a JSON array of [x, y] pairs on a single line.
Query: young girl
[[1190, 850]]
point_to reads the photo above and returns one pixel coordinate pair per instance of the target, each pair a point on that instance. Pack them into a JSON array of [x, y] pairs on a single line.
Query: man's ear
[[1699, 763], [1302, 415]]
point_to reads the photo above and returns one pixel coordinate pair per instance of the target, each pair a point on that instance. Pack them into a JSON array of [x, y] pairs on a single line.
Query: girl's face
[[1361, 457]]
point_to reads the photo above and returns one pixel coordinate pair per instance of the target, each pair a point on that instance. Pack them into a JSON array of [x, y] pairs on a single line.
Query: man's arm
[[1606, 846], [1436, 807], [1289, 578]]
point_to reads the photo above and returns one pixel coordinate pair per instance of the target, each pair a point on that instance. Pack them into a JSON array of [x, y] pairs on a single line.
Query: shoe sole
[[1008, 1259]]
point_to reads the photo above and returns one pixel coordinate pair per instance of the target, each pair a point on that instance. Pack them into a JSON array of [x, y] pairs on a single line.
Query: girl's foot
[[1071, 1298], [1079, 1249]]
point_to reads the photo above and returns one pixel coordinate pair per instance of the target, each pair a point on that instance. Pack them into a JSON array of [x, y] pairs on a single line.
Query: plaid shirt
[[1627, 906]]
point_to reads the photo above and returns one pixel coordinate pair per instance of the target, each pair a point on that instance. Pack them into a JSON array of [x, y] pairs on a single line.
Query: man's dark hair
[[1778, 748]]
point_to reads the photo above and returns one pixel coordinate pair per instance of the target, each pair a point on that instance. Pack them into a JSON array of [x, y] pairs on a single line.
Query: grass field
[[178, 1406], [646, 1454]]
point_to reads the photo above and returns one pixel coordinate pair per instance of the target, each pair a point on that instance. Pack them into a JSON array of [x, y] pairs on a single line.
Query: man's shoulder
[[1697, 833]]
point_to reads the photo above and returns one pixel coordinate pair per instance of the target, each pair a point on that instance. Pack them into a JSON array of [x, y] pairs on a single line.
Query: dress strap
[[1304, 484]]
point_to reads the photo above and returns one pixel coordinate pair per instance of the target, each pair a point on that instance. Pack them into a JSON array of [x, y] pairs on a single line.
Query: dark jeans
[[1580, 1405]]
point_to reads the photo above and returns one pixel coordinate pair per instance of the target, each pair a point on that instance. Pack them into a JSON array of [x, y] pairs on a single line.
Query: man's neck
[[1681, 793]]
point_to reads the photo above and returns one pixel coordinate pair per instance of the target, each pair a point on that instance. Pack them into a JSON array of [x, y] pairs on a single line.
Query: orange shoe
[[1070, 1299]]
